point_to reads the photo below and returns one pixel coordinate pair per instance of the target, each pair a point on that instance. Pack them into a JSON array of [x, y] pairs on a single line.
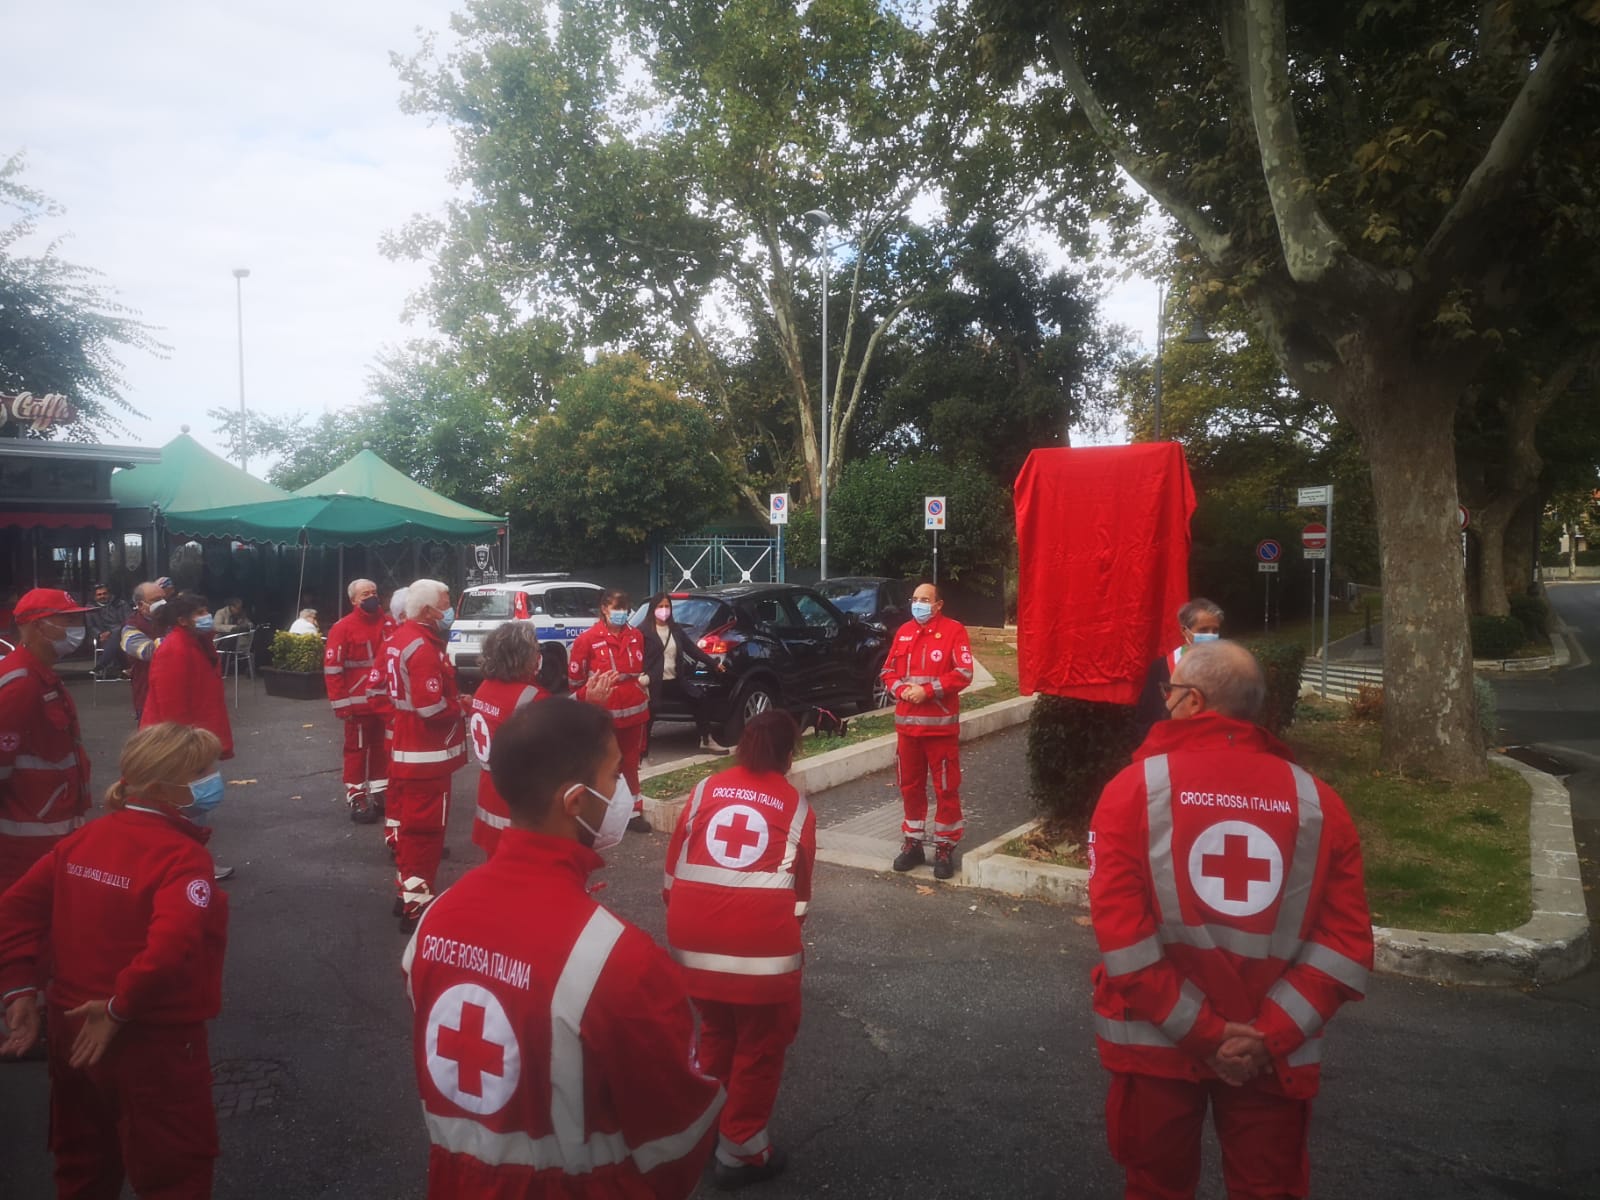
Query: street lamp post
[[816, 214], [1198, 335], [240, 274]]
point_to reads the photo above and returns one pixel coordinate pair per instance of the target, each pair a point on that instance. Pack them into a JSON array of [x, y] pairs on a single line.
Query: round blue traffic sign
[[935, 507], [1268, 550]]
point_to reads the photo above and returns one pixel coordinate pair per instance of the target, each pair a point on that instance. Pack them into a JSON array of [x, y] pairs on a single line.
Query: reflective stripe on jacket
[[348, 658], [599, 649], [490, 706], [937, 656], [1225, 885], [429, 733], [44, 768]]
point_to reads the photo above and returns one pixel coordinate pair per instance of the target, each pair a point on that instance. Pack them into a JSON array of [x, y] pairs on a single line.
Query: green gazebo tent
[[188, 478], [368, 475]]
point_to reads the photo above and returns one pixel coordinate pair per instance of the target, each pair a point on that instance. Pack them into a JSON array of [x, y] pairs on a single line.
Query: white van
[[560, 608]]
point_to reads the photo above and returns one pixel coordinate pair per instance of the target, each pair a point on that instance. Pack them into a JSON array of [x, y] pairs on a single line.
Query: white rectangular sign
[[1312, 496], [934, 512], [1314, 553], [778, 508], [1264, 567]]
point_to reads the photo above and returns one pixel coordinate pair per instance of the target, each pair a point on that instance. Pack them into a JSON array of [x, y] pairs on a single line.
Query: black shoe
[[399, 909], [364, 813], [640, 825], [730, 1179], [221, 873], [944, 862], [910, 855]]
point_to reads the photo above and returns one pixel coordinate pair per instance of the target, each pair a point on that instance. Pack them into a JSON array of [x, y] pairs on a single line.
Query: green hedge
[[1074, 749], [1497, 637], [1534, 614], [1282, 664], [297, 652]]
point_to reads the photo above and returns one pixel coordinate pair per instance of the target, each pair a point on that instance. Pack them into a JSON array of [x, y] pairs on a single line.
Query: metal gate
[[696, 562]]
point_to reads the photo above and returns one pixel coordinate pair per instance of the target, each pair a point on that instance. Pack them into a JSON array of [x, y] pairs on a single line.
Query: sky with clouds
[[185, 139]]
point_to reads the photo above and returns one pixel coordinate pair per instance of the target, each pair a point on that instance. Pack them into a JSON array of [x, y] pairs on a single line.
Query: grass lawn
[[1246, 627], [1443, 857], [996, 649]]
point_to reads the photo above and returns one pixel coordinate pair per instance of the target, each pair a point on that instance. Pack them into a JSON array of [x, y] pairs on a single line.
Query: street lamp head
[[1198, 334], [816, 214], [241, 272]]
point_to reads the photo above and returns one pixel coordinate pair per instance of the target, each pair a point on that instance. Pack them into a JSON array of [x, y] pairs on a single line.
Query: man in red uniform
[[429, 742], [738, 885], [377, 693], [44, 769], [1226, 891], [347, 661], [930, 661], [139, 639], [553, 1040]]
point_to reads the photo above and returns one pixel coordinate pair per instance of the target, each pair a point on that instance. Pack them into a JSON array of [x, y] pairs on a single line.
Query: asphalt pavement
[[945, 1051]]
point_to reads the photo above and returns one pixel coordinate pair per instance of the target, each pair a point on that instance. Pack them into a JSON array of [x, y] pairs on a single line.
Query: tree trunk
[[1430, 722], [1518, 569], [1490, 526]]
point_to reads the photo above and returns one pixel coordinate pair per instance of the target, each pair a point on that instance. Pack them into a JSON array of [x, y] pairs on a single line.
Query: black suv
[[879, 601], [785, 647]]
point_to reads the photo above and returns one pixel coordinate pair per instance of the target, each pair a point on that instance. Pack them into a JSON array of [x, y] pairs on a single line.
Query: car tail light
[[521, 606], [714, 643]]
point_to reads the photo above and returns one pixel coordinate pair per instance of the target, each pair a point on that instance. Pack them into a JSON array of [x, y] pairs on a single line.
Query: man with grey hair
[[1200, 622], [347, 661], [139, 639], [1226, 893], [429, 742]]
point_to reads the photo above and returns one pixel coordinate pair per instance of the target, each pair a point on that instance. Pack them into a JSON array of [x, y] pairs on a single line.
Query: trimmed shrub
[[1282, 664], [1534, 613], [1496, 637], [1367, 703], [1075, 747], [297, 652]]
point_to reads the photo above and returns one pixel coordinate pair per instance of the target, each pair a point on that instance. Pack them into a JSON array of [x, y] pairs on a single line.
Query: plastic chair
[[235, 652], [102, 654]]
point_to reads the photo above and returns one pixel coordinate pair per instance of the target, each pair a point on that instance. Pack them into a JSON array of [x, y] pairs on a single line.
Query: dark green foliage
[[1534, 613], [1075, 748], [300, 652], [1497, 637], [1281, 663]]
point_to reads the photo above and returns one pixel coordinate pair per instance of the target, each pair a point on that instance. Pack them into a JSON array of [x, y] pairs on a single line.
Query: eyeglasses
[[1168, 688]]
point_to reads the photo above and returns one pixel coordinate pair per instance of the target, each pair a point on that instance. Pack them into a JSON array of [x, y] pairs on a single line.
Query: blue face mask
[[447, 618], [618, 617], [204, 624], [1207, 637], [922, 610], [207, 792]]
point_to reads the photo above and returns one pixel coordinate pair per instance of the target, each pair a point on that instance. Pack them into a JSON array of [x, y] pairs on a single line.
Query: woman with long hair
[[135, 933], [668, 653], [738, 885], [611, 644]]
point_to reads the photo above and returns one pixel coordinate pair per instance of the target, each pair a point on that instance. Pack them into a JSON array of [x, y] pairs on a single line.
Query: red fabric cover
[[55, 520], [1103, 548]]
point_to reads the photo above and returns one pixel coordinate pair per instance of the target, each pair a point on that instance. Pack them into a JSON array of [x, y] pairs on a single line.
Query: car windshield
[[853, 598], [485, 606], [696, 613]]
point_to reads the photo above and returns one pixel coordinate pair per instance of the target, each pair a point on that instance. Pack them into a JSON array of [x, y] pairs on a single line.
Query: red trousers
[[630, 741], [144, 1111], [1154, 1127], [366, 758], [423, 806], [742, 1046], [918, 758]]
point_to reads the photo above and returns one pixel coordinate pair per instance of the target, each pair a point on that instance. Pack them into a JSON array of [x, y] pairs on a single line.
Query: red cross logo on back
[[1235, 868], [478, 727], [474, 1056], [737, 835]]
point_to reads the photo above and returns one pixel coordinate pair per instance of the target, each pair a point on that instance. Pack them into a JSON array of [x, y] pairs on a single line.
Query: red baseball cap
[[45, 602]]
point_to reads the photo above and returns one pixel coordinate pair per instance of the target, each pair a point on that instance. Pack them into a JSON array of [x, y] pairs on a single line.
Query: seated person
[[306, 622]]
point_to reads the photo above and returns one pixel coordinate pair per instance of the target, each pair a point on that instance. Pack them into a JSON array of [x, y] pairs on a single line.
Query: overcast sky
[[187, 138]]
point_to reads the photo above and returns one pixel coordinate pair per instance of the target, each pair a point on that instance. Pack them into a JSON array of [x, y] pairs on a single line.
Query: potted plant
[[296, 670]]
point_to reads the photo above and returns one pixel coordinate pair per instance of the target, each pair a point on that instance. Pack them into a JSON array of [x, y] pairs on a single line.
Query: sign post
[[1268, 552], [1463, 520], [934, 514], [1313, 497], [778, 515]]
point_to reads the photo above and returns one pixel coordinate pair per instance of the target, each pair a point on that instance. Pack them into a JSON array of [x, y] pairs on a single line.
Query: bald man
[[1226, 893], [140, 638]]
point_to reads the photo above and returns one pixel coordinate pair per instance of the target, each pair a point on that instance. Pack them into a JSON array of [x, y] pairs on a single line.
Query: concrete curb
[[986, 867], [1553, 945], [823, 771]]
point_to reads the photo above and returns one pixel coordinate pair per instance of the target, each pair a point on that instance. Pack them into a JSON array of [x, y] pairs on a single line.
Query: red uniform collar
[[432, 634], [524, 850], [366, 618], [23, 657], [199, 833], [937, 622], [1210, 732]]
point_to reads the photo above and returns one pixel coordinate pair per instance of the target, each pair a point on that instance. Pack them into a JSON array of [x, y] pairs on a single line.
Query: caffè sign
[[41, 412]]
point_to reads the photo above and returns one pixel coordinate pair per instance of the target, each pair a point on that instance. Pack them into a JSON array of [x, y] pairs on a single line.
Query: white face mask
[[69, 641], [619, 807]]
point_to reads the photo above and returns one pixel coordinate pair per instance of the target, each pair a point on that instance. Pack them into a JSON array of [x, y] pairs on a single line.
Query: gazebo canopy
[[323, 521], [368, 475], [188, 478]]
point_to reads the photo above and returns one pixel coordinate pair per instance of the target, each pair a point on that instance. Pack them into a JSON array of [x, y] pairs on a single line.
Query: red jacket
[[1225, 885], [553, 1055], [349, 657], [602, 648], [44, 769], [129, 912], [939, 657], [738, 885], [429, 734], [491, 704], [186, 686]]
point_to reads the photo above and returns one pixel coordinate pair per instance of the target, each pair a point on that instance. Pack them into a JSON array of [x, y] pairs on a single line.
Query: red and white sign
[[39, 411], [1314, 537], [1463, 517]]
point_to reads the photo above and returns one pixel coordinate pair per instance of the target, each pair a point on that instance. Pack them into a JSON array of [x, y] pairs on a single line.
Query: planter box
[[294, 685]]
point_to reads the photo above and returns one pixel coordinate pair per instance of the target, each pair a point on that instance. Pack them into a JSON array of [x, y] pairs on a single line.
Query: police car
[[560, 608]]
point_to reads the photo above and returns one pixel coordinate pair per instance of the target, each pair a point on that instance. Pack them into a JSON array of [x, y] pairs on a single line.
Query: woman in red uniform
[[510, 681], [136, 934], [738, 885], [611, 644], [185, 674]]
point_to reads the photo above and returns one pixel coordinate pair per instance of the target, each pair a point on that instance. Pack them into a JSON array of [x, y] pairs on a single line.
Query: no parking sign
[[934, 512], [778, 508]]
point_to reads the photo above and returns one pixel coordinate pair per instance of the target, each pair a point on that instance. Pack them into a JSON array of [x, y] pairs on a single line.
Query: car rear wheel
[[754, 700], [876, 696]]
